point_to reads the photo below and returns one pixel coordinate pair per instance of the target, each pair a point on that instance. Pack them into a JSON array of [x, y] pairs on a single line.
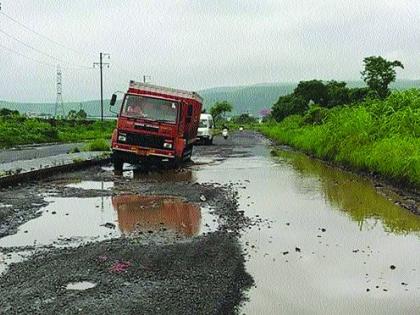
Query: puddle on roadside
[[80, 286], [94, 185], [73, 221], [330, 241]]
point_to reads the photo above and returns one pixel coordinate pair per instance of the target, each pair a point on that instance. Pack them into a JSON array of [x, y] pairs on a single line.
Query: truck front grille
[[148, 141]]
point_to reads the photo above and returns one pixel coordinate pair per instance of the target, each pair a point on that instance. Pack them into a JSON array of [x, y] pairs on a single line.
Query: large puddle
[[73, 221], [334, 244]]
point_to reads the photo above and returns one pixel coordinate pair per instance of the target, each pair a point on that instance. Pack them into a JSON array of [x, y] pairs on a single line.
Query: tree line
[[378, 73]]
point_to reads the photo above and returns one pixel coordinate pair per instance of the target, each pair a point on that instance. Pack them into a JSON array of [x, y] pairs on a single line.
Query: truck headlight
[[122, 137], [167, 145]]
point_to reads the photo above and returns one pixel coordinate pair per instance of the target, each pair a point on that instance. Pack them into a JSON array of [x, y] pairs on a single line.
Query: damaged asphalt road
[[238, 231], [165, 269]]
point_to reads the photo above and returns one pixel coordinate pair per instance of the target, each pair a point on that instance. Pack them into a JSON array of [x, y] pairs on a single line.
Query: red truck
[[155, 123]]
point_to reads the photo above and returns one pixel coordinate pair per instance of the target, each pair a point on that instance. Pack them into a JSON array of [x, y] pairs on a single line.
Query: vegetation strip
[[16, 129], [378, 136]]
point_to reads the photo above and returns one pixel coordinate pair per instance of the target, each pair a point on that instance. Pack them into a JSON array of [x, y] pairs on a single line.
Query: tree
[[81, 114], [244, 118], [379, 73], [358, 94], [313, 90], [73, 115], [337, 93], [219, 109], [8, 112], [289, 105]]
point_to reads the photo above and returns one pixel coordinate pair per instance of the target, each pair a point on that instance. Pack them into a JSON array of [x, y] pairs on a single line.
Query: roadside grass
[[19, 130], [381, 137], [97, 145]]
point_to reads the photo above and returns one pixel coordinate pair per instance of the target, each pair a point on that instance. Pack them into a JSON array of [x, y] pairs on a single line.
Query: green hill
[[251, 98]]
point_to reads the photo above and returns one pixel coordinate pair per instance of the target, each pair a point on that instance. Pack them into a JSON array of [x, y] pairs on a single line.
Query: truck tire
[[176, 163], [118, 165], [186, 156]]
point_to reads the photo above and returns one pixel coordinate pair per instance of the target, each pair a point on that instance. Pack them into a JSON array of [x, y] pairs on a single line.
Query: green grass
[[18, 130], [98, 145], [376, 136]]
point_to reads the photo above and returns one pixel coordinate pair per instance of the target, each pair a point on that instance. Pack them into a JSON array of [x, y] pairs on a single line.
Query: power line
[[36, 60], [41, 35], [39, 51], [27, 57]]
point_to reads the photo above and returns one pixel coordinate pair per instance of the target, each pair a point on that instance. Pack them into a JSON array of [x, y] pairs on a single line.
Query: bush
[[315, 115]]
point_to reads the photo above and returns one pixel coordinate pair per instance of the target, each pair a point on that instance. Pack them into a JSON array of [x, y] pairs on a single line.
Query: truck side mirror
[[113, 100]]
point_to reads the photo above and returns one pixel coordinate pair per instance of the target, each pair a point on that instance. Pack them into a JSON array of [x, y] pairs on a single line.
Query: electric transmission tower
[[59, 106]]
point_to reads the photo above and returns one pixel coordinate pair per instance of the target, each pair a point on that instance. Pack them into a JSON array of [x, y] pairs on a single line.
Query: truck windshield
[[149, 108], [203, 123]]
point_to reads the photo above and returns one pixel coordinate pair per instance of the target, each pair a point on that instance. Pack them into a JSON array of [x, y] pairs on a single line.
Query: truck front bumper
[[141, 152]]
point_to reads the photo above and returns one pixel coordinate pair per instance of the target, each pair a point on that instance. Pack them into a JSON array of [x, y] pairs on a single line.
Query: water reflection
[[143, 213], [171, 175], [158, 175], [353, 195]]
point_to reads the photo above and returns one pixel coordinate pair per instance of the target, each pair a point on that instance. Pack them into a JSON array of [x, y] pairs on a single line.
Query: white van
[[205, 129]]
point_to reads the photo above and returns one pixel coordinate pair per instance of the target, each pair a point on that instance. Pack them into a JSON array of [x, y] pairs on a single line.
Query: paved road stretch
[[34, 152]]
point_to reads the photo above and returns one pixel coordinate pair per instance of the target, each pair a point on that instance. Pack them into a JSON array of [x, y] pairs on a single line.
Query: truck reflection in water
[[164, 176], [144, 213]]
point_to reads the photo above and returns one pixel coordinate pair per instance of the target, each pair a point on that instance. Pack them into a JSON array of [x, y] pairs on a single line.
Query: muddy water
[[72, 221], [332, 244]]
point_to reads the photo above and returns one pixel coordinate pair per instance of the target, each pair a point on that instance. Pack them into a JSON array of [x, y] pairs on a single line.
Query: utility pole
[[145, 77], [101, 64], [59, 99]]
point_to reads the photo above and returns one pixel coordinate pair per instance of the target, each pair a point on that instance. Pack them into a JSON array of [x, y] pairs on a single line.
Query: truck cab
[[155, 123]]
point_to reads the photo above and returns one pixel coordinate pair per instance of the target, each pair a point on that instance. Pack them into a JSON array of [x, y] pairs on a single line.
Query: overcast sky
[[199, 44]]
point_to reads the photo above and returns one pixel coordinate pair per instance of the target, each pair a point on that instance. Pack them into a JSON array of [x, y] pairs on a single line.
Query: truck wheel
[[186, 156], [118, 165], [176, 162]]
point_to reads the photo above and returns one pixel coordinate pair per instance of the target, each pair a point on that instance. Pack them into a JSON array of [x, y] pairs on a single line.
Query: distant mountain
[[92, 108], [247, 98], [250, 98], [259, 96]]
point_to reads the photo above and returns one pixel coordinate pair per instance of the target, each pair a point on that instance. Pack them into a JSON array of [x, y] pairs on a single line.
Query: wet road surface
[[333, 243], [315, 239]]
